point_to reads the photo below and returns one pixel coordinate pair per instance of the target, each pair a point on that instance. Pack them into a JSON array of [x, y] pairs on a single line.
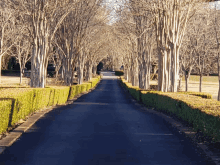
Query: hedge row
[[119, 73], [203, 114], [18, 103]]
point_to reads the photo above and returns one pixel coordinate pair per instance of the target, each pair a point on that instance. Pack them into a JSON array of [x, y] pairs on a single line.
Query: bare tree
[[8, 31]]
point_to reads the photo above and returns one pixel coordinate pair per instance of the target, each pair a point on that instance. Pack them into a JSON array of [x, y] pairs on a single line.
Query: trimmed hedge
[[18, 103], [203, 114], [5, 106], [119, 73]]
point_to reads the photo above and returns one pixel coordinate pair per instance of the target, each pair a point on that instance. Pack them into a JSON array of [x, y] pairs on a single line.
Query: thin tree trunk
[[219, 88], [94, 69], [186, 82], [125, 73], [200, 83], [0, 69], [21, 75], [80, 68], [219, 76]]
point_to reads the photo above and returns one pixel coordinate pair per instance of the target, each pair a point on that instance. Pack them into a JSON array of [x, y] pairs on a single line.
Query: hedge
[[203, 114], [18, 103], [119, 73]]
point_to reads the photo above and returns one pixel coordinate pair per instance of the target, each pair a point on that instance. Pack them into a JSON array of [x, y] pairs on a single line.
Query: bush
[[83, 88], [5, 107], [78, 89], [94, 81], [72, 93], [119, 73]]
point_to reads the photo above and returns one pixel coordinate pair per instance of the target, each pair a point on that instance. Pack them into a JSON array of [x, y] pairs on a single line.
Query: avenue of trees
[[179, 36], [72, 33]]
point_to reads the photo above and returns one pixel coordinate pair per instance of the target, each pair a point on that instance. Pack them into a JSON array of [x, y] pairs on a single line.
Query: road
[[103, 127]]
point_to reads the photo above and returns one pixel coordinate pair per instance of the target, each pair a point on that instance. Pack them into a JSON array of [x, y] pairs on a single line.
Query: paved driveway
[[103, 127]]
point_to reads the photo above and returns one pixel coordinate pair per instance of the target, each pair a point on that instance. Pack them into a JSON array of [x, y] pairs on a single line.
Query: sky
[[217, 3], [113, 5]]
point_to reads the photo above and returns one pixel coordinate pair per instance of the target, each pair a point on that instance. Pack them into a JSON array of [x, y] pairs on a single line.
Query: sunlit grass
[[204, 78]]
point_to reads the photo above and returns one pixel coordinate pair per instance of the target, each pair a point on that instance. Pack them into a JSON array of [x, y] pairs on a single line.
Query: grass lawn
[[213, 79]]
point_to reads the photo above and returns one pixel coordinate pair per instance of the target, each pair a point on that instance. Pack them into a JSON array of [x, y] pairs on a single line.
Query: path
[[103, 127]]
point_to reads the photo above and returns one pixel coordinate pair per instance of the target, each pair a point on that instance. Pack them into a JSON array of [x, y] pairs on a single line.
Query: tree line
[[174, 35], [71, 33], [179, 36]]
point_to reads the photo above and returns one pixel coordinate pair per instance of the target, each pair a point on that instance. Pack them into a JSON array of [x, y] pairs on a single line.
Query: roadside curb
[[24, 127], [187, 131]]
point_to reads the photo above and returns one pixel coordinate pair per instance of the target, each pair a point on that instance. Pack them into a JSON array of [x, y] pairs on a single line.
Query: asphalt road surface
[[103, 127]]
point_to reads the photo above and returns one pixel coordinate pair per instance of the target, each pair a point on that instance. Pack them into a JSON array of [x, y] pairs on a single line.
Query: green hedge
[[5, 106], [73, 92], [83, 88], [18, 103], [203, 114], [119, 73]]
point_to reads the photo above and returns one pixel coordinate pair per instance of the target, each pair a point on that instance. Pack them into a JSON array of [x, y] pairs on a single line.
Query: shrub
[[5, 112], [119, 73], [83, 88], [78, 89], [95, 81], [72, 93]]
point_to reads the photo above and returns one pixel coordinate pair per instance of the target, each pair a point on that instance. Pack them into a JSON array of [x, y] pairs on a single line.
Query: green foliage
[[119, 73], [94, 81], [203, 114], [78, 89], [5, 111], [88, 86], [72, 92], [83, 88]]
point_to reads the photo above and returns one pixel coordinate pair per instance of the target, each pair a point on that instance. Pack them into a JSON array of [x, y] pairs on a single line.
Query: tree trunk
[[80, 70], [141, 76], [219, 76], [135, 79], [218, 88], [21, 75], [175, 67], [129, 74], [94, 69], [0, 69], [186, 82], [200, 83], [163, 72], [180, 84], [125, 73], [40, 56], [88, 71], [147, 76], [80, 74]]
